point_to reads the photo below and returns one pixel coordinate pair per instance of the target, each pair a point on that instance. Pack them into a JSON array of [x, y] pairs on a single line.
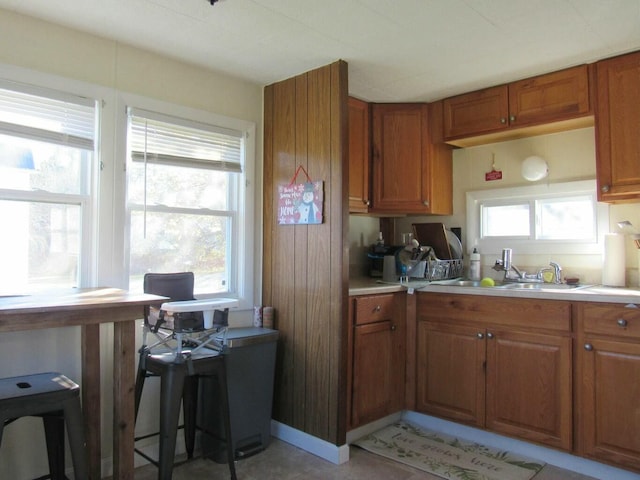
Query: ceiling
[[397, 50]]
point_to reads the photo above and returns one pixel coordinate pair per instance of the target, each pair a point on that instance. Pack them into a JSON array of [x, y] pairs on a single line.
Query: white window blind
[[53, 117], [161, 139]]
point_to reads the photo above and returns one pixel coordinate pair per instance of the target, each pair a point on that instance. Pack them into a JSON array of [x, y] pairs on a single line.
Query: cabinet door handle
[[393, 327], [503, 120], [512, 118], [622, 322], [489, 335], [377, 308], [366, 202], [480, 335], [425, 203], [588, 347], [604, 188]]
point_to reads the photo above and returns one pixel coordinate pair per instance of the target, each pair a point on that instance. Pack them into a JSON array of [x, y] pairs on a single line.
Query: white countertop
[[595, 293]]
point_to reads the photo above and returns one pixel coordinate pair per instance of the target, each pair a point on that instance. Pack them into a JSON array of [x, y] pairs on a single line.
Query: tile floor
[[282, 461]]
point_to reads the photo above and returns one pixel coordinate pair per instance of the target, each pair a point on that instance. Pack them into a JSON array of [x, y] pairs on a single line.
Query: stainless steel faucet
[[513, 274]]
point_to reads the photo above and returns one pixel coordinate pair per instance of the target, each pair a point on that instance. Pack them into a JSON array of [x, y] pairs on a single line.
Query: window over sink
[[553, 218]]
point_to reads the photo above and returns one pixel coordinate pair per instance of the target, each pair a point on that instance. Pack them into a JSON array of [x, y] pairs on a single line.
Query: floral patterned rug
[[446, 456]]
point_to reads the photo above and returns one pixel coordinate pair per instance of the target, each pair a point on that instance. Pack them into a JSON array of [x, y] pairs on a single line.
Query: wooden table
[[89, 308]]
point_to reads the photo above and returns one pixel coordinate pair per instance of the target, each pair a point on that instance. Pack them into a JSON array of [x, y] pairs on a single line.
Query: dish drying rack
[[443, 269]]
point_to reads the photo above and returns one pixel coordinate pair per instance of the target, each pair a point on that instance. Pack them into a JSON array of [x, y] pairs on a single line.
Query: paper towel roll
[[613, 268], [389, 269]]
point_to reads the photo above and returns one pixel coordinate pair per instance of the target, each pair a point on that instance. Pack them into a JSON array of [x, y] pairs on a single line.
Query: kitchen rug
[[446, 456]]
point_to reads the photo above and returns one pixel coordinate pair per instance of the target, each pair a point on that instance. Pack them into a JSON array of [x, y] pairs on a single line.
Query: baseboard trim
[[337, 454]]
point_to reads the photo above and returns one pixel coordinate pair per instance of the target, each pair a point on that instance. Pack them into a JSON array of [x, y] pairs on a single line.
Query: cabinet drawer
[[374, 308], [618, 320], [524, 313]]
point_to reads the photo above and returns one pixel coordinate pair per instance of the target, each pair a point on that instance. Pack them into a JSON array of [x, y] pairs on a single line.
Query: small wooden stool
[[56, 399]]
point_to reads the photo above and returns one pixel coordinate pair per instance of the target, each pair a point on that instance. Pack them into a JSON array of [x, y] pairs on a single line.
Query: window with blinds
[[47, 166], [184, 183]]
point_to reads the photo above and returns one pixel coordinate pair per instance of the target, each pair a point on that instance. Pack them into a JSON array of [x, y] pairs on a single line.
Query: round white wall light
[[534, 168]]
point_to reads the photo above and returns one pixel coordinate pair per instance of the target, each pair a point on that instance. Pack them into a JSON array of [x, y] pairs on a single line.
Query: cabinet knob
[[425, 203], [366, 202], [512, 118], [480, 335], [503, 120], [604, 188], [622, 322], [489, 335], [393, 327], [588, 347], [377, 308]]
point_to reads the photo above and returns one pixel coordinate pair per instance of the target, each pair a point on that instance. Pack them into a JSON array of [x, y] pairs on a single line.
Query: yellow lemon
[[487, 282], [547, 277]]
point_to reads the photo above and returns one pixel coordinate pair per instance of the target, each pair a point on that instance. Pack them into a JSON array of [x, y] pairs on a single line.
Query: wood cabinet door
[[398, 152], [359, 141], [476, 113], [378, 376], [529, 386], [610, 401], [550, 98], [618, 128], [450, 380]]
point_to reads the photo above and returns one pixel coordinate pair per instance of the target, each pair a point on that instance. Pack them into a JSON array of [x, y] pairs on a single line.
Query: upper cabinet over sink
[[547, 103]]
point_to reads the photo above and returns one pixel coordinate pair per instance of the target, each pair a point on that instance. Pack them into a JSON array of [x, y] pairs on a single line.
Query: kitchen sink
[[542, 287]]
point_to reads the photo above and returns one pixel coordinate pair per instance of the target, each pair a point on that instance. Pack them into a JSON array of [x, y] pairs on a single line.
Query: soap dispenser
[[474, 265]]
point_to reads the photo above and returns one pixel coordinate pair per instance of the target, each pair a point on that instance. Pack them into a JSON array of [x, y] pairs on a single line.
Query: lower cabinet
[[376, 378], [608, 367], [497, 363]]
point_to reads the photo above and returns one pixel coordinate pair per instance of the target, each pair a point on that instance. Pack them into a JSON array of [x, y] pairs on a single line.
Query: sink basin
[[542, 286], [468, 283]]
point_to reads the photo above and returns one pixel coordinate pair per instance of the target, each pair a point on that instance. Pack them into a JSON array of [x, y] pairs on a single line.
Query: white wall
[[44, 50]]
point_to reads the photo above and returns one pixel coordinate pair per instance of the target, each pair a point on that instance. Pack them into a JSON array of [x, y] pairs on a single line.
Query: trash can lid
[[241, 337]]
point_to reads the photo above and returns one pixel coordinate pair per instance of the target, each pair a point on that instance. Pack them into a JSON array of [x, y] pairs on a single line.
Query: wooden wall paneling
[[306, 274], [300, 252], [281, 271], [318, 261], [340, 320]]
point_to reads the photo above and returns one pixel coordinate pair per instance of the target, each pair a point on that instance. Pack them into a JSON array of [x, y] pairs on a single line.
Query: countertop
[[594, 293]]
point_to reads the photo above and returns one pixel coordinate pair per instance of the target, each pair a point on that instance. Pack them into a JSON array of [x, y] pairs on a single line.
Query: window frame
[[244, 240], [87, 199], [529, 194]]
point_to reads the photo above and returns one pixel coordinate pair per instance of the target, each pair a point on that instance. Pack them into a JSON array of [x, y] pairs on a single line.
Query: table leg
[[90, 335], [123, 399]]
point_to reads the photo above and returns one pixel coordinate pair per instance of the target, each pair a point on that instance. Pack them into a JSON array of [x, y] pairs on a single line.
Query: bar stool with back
[[187, 348]]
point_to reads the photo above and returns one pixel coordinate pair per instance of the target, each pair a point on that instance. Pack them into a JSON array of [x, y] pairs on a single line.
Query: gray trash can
[[250, 360]]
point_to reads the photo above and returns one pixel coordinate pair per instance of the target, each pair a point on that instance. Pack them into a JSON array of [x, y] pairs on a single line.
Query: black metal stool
[[56, 399], [179, 384]]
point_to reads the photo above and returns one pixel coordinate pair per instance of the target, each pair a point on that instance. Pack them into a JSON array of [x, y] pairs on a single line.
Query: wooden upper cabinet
[[547, 103], [412, 166], [475, 113], [618, 128], [550, 98], [359, 158]]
